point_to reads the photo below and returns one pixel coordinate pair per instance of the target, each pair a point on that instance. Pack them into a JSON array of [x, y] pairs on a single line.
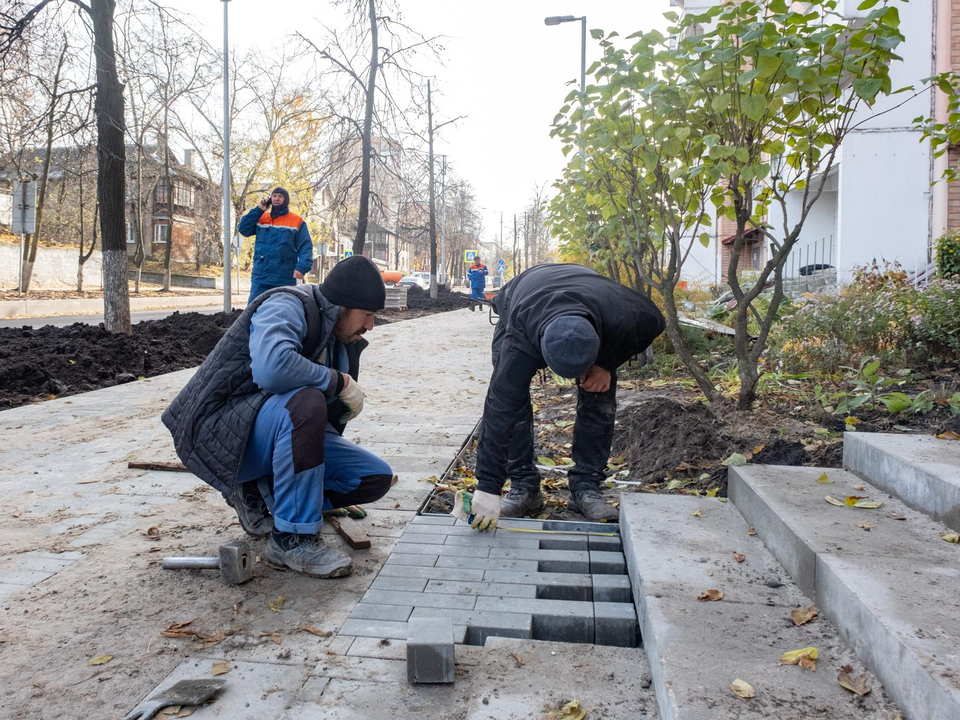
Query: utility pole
[[227, 255], [433, 199], [443, 223]]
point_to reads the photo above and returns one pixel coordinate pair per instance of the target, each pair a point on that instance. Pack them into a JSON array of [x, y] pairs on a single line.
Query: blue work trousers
[[476, 293], [304, 467]]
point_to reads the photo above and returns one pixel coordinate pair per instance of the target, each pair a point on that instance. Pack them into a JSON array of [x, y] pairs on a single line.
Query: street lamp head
[[557, 19]]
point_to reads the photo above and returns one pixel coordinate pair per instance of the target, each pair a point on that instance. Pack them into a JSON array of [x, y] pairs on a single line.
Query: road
[[136, 316]]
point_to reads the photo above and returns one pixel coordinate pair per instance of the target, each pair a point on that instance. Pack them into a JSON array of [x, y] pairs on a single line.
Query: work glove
[[481, 510], [352, 396]]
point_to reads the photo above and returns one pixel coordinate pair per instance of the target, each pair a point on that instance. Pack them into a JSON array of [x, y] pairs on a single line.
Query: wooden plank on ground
[[350, 531], [157, 465]]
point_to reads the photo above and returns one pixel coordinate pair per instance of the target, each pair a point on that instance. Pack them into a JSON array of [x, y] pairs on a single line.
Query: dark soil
[[419, 299]]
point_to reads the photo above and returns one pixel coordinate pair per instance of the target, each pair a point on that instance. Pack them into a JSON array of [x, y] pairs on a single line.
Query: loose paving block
[[419, 599], [410, 584], [430, 650], [375, 628], [518, 523], [486, 540], [611, 588], [558, 620], [481, 588], [454, 550], [422, 538], [374, 611], [488, 564], [421, 560], [615, 624], [451, 529], [550, 586], [461, 574], [557, 561], [607, 563], [481, 625], [922, 470]]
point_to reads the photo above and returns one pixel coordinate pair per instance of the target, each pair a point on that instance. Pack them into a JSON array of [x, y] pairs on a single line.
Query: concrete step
[[677, 547], [921, 470], [890, 590]]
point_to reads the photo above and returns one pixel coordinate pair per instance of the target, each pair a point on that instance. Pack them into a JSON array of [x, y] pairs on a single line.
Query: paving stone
[[606, 544], [558, 561], [615, 624], [395, 630], [488, 564], [312, 690], [430, 650], [409, 584], [8, 589], [105, 532], [421, 529], [466, 655], [465, 574], [481, 625], [374, 611], [26, 578], [423, 538], [399, 597], [518, 523], [562, 542], [558, 620], [68, 555], [434, 520], [351, 667], [611, 588], [485, 540], [421, 560], [455, 550], [607, 563], [482, 588], [550, 586], [38, 563]]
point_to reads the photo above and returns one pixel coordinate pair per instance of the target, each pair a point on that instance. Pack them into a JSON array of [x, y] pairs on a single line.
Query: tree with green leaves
[[735, 109]]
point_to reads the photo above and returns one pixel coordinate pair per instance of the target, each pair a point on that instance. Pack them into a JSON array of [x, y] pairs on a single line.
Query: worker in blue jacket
[[283, 251], [478, 281]]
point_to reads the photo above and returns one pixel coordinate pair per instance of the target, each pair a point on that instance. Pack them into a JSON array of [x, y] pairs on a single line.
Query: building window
[[183, 194], [131, 237], [380, 250], [160, 234], [161, 194], [197, 238]]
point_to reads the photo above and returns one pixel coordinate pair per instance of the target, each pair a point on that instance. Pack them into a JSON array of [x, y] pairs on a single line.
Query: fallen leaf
[[739, 557], [712, 492], [546, 461], [711, 595], [865, 525], [801, 616], [100, 660], [949, 435], [847, 682], [274, 636], [758, 449], [952, 538], [735, 460], [396, 506], [751, 531], [852, 500], [858, 487], [833, 501], [277, 604], [696, 513], [153, 533], [111, 491], [804, 657], [723, 499], [221, 667], [741, 688], [87, 482], [316, 631], [868, 504], [824, 479], [520, 662], [571, 711]]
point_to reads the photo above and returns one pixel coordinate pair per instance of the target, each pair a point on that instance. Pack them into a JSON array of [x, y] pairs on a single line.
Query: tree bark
[[364, 209], [111, 180], [433, 199]]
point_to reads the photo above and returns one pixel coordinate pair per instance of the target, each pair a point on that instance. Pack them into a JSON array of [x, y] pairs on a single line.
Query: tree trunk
[[433, 199], [680, 347], [364, 209], [168, 231], [111, 181]]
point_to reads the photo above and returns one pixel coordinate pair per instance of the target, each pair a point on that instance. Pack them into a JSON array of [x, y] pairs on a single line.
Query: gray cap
[[570, 345]]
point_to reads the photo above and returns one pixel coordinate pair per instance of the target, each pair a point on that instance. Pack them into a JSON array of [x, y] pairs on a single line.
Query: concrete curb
[[921, 470], [890, 591], [47, 308]]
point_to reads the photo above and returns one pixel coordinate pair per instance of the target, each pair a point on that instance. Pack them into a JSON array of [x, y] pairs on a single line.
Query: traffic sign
[[469, 255], [347, 253], [500, 264], [24, 207]]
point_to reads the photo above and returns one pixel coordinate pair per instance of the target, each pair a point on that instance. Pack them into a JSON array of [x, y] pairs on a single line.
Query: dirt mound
[[419, 299]]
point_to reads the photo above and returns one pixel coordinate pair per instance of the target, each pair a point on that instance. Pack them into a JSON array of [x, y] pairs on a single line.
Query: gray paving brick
[[70, 555], [550, 586], [520, 523], [481, 625], [430, 650], [37, 563], [559, 561], [615, 624], [434, 520], [487, 564], [419, 599], [375, 628], [456, 550], [486, 540], [8, 589], [374, 611], [443, 530], [556, 620], [410, 584], [26, 578], [464, 574], [423, 538], [421, 560], [481, 588], [607, 563], [611, 588], [606, 544]]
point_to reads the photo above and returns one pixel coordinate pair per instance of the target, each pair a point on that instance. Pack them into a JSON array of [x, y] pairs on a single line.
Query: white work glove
[[352, 396], [484, 511]]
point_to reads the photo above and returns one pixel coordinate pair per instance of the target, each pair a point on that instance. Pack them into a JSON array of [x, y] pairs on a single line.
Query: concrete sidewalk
[[83, 536]]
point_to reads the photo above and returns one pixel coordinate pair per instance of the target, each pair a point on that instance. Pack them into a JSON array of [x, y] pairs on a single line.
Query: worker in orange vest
[[478, 281]]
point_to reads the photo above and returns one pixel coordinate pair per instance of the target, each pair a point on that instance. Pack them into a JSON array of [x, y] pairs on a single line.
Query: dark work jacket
[[212, 417], [626, 322]]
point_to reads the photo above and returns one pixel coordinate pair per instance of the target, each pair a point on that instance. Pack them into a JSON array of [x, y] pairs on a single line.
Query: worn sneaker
[[520, 502], [306, 554], [593, 506], [252, 511]]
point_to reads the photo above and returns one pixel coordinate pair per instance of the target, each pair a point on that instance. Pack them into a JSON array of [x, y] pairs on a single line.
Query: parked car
[[414, 280]]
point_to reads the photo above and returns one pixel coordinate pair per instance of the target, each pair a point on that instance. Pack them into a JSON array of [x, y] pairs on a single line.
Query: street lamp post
[[227, 254], [556, 20]]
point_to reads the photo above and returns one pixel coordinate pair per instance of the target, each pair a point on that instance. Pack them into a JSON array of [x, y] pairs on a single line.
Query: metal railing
[[812, 260]]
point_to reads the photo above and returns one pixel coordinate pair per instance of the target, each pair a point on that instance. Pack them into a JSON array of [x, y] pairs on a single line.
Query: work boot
[[593, 506], [252, 511], [521, 502], [306, 554]]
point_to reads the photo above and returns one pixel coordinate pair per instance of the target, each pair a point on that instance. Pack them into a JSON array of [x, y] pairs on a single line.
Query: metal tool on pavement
[[235, 564], [185, 692]]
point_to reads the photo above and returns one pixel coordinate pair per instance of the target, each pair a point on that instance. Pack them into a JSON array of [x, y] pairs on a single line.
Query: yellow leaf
[[100, 660], [546, 461], [833, 501], [852, 500], [824, 479], [758, 449], [741, 688], [739, 557], [949, 435], [868, 504], [804, 657], [277, 604], [751, 531], [711, 595], [571, 711], [221, 667], [865, 525], [801, 616], [952, 538], [855, 685], [696, 513], [851, 420], [712, 492]]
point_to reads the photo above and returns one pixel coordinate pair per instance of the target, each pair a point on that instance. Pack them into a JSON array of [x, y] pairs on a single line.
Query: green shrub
[[948, 254]]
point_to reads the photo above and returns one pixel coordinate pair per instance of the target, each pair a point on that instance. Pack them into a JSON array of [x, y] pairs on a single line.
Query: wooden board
[[350, 531], [157, 465]]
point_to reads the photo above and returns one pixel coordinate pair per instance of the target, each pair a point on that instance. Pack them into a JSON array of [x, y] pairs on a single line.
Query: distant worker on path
[[262, 419], [581, 325], [283, 251], [478, 282]]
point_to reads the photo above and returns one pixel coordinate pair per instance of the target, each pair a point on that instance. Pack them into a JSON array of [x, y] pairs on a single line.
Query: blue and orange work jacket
[[478, 276], [283, 245]]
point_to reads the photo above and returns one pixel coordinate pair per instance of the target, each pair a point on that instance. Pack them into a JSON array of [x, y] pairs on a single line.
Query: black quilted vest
[[211, 418]]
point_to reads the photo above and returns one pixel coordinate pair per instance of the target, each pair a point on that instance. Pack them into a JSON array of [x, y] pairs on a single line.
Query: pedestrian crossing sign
[[347, 253], [469, 255]]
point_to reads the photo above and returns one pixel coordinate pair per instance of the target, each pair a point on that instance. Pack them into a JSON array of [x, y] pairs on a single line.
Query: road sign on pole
[[501, 267], [24, 206], [347, 253], [469, 255]]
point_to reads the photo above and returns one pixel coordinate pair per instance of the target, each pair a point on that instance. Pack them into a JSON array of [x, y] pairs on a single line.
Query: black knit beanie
[[355, 283]]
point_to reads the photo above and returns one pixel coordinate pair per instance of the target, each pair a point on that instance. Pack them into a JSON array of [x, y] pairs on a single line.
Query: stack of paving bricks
[[529, 584]]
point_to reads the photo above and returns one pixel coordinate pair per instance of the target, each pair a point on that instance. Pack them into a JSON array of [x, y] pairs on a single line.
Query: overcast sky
[[504, 69]]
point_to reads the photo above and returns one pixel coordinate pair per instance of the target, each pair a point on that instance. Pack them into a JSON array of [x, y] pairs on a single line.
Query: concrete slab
[[891, 591], [921, 470]]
